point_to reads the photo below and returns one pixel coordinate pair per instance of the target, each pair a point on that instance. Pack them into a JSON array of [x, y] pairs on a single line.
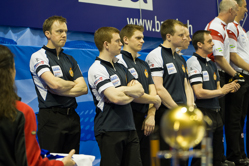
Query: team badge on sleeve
[[71, 72], [97, 80], [38, 63], [146, 73]]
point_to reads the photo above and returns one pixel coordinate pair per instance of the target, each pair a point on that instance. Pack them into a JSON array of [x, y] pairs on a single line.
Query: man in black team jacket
[[113, 89], [144, 107], [168, 71], [205, 81], [58, 80]]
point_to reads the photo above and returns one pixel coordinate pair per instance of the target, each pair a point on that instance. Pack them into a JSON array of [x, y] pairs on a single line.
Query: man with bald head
[[221, 55]]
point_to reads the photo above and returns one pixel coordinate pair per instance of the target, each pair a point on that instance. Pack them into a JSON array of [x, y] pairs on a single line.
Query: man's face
[[207, 47], [57, 34], [233, 13], [242, 10], [188, 39], [114, 46], [179, 37], [136, 41]]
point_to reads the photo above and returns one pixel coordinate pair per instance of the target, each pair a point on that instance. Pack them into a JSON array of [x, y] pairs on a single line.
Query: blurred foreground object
[[183, 127]]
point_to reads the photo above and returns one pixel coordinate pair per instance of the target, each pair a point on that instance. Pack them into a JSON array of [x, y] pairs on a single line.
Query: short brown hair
[[239, 2], [104, 34], [168, 27], [129, 30], [49, 22], [199, 37]]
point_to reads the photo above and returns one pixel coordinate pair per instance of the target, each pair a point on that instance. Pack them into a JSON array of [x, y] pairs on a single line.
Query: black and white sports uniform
[[204, 71], [141, 71], [113, 124], [44, 60], [58, 123], [172, 68]]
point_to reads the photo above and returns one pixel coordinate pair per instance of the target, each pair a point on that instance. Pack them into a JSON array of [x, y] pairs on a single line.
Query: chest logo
[[146, 73], [205, 76], [57, 71], [115, 80], [215, 76], [71, 72], [171, 68], [133, 72], [33, 132]]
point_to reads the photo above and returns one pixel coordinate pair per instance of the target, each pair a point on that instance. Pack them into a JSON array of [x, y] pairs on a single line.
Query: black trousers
[[144, 140], [119, 148], [234, 123], [217, 130], [57, 131], [224, 77]]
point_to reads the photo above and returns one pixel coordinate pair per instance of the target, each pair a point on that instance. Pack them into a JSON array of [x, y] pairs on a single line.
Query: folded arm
[[133, 89], [117, 95], [56, 84], [80, 88]]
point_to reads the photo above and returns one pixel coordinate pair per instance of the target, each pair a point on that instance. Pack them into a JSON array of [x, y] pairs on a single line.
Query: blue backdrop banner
[[89, 15]]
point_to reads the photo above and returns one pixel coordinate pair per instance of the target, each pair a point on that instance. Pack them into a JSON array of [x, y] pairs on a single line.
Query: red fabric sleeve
[[231, 35], [32, 147], [216, 35]]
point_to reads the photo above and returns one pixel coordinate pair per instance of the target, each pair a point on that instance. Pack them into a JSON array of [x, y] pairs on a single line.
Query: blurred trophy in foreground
[[183, 128]]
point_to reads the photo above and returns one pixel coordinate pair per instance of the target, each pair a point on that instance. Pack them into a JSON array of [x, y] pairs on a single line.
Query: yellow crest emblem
[[146, 73], [215, 76], [183, 68], [71, 72]]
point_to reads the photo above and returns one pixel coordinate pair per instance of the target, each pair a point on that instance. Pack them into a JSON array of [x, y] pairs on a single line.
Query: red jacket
[[32, 147]]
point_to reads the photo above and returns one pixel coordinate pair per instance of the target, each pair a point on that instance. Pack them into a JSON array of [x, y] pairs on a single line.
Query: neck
[[201, 53], [168, 44], [58, 49], [223, 17], [237, 19], [106, 56], [132, 52]]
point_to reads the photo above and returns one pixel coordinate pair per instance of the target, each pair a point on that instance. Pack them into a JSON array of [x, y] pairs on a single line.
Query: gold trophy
[[183, 128]]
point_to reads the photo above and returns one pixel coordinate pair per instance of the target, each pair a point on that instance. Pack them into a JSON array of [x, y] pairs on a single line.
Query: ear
[[106, 44], [47, 34], [125, 39], [168, 36], [199, 44]]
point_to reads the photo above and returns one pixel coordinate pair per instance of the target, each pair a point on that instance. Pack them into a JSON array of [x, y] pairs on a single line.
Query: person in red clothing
[[33, 151]]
